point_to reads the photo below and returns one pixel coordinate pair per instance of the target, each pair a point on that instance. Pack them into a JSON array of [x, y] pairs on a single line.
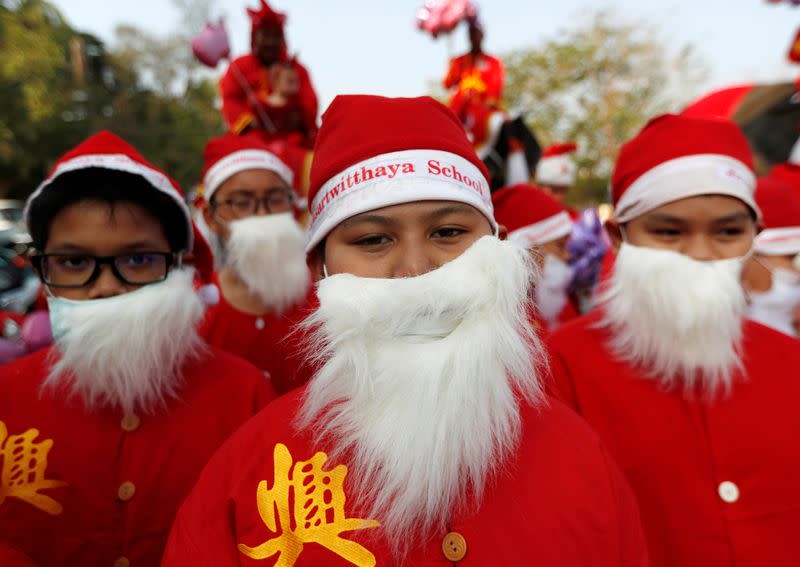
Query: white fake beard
[[676, 318], [421, 381], [267, 253], [127, 351], [551, 289]]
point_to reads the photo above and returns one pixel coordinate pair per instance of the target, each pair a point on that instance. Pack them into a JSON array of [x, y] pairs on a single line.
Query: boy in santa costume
[[265, 284], [697, 404], [772, 275], [539, 223], [103, 434], [424, 438]]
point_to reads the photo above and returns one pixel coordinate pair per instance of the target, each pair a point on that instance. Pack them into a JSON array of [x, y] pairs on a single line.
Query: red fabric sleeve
[[495, 78], [235, 106], [453, 73]]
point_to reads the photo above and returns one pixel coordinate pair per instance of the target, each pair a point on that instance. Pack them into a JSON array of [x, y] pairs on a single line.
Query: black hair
[[110, 187]]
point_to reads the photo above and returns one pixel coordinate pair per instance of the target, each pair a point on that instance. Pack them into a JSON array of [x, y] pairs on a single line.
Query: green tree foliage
[[60, 85], [598, 84]]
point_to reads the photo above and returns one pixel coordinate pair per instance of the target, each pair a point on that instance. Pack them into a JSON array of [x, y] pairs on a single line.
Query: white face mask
[[774, 308], [551, 289], [127, 351], [676, 318]]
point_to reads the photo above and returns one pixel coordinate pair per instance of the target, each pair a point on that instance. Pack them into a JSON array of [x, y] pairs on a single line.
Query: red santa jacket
[[560, 502], [82, 488], [239, 112], [270, 341], [715, 480]]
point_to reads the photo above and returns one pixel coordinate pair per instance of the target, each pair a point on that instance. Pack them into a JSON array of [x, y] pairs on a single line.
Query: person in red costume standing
[[772, 274], [264, 285], [267, 91], [103, 434], [540, 224], [696, 403], [424, 438], [475, 80]]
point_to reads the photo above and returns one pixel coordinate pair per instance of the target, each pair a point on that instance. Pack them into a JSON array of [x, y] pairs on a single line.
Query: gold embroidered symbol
[[318, 514], [472, 81], [24, 466]]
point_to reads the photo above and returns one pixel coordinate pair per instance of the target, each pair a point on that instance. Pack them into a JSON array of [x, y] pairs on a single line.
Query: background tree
[[59, 85], [597, 84]]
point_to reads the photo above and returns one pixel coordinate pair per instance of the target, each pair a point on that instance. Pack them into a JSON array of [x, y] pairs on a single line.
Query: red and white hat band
[[778, 241], [393, 179], [240, 161], [119, 162], [555, 170], [547, 230], [688, 176]]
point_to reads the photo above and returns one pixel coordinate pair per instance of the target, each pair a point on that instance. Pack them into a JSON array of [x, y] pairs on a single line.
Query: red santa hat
[[107, 151], [556, 167], [780, 206], [229, 154], [531, 216], [266, 17], [675, 157], [374, 152]]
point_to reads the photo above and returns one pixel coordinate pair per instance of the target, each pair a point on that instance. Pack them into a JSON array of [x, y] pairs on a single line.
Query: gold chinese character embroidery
[[24, 466], [318, 515]]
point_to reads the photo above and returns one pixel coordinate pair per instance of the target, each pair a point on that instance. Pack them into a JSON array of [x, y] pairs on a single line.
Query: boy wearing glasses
[[265, 285], [102, 435]]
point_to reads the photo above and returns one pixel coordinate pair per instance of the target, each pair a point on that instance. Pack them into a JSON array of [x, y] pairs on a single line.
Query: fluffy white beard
[[678, 319], [267, 253], [421, 383], [127, 351]]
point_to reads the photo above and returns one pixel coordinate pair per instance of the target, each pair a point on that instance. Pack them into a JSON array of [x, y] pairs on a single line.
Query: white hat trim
[[546, 230], [778, 241], [118, 162], [556, 170], [687, 176], [393, 179], [240, 161]]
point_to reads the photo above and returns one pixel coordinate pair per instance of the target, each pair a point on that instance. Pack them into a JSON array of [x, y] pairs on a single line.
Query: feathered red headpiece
[[266, 17]]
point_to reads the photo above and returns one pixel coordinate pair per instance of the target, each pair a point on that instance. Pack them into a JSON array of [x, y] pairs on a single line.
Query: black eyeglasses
[[276, 200], [78, 270]]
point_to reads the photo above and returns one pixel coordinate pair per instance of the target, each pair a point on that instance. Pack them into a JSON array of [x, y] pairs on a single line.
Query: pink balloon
[[211, 45], [36, 332], [442, 16]]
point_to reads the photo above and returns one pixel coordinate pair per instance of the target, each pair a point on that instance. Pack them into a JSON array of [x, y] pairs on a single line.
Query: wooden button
[[454, 546], [126, 491], [122, 562], [130, 422]]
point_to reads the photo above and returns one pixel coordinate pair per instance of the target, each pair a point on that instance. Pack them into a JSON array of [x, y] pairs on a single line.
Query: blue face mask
[[60, 308]]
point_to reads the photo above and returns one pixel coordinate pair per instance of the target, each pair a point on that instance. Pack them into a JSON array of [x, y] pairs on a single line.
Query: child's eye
[[373, 240], [449, 232]]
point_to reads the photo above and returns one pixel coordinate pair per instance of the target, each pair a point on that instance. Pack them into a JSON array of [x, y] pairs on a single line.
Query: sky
[[369, 46]]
